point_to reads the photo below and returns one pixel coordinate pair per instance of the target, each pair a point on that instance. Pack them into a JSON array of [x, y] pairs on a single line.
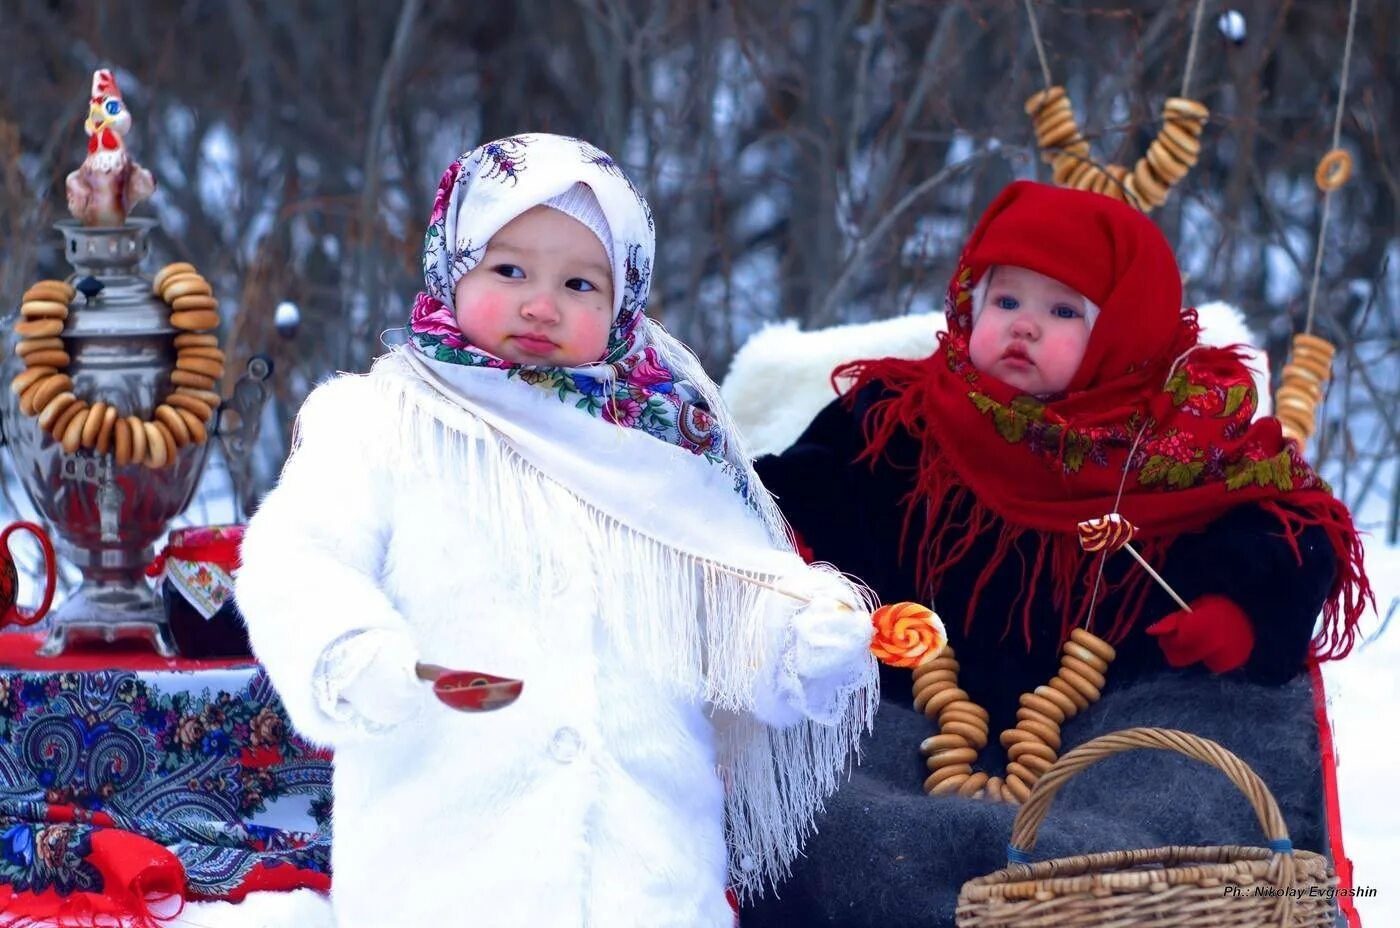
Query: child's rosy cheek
[[484, 306]]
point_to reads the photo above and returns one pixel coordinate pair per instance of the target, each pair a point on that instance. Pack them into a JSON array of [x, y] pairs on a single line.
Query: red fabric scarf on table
[[1148, 409]]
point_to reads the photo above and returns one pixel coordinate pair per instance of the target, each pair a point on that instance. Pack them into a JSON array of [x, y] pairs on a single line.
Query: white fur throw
[[780, 378]]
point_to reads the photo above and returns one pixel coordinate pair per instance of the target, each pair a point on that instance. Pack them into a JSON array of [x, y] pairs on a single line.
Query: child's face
[[542, 294], [1031, 332]]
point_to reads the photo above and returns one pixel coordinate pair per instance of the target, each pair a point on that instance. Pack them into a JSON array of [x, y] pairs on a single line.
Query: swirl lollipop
[[1106, 533], [1112, 533], [907, 634]]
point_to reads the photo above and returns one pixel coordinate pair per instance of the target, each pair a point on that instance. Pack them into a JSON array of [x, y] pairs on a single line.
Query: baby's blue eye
[[579, 284], [1008, 302], [509, 270], [1065, 311], [113, 107]]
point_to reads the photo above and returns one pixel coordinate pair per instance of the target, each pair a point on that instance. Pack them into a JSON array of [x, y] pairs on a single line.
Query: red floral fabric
[[1150, 414]]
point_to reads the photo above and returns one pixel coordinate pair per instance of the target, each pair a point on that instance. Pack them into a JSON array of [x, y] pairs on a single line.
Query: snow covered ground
[[1363, 691]]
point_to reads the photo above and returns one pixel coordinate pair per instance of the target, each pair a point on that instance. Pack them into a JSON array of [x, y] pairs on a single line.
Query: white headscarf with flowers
[[654, 514], [645, 380]]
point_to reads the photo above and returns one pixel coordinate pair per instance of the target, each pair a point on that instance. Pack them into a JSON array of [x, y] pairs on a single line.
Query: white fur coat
[[592, 801], [802, 362]]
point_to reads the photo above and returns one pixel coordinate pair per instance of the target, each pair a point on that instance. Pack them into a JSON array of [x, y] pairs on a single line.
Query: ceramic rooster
[[108, 183]]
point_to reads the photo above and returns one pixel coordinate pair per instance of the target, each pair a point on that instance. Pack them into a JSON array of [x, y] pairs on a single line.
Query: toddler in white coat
[[543, 484]]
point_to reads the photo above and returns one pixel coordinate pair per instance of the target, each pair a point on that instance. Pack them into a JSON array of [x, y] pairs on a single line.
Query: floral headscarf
[[646, 380]]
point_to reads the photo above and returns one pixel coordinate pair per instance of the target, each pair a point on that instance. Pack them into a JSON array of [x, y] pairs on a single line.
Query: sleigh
[[886, 854]]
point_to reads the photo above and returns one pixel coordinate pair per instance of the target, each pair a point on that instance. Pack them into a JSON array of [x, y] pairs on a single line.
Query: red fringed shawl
[[1149, 411]]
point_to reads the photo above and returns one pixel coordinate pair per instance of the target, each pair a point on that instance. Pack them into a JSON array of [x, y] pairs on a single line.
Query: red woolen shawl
[[1146, 399]]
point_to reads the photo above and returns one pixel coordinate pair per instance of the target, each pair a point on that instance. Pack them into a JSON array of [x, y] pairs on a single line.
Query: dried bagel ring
[[1024, 714], [921, 701], [1021, 772], [194, 425], [1065, 704], [1042, 705], [157, 451], [29, 377], [1078, 650], [45, 389], [65, 418], [55, 409], [977, 737], [965, 718], [1035, 763], [105, 430], [73, 433], [946, 773], [941, 743], [973, 783], [949, 786], [942, 698], [1087, 689], [1094, 643], [1045, 733], [167, 416], [121, 441], [1084, 670], [171, 447], [1035, 748], [1078, 698], [1018, 788], [1333, 170], [138, 440], [950, 757], [93, 426], [1016, 736]]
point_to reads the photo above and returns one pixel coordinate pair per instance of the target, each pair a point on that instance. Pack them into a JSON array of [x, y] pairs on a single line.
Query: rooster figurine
[[108, 183]]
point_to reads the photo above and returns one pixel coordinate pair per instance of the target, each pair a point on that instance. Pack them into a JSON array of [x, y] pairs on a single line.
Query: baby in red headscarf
[[1071, 384]]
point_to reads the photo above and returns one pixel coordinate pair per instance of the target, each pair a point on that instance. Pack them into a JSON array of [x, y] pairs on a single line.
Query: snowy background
[[818, 162]]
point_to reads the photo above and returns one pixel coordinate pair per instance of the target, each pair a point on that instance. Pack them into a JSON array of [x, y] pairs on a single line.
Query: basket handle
[[1282, 867], [1033, 811]]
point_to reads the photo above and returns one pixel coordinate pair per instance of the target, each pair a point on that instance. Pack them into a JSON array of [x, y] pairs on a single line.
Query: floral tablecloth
[[119, 787]]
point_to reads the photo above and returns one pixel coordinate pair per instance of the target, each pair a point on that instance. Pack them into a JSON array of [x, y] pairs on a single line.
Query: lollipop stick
[[757, 582], [1158, 577]]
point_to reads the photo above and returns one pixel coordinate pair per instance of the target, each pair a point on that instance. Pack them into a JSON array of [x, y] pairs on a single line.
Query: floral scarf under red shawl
[[1146, 399]]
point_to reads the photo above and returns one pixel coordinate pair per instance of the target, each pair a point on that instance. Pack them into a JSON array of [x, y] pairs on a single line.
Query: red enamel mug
[[9, 577]]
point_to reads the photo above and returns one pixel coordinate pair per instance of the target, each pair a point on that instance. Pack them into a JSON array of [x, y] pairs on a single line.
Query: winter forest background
[[818, 161]]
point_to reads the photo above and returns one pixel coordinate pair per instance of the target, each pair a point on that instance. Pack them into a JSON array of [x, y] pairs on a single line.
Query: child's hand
[[1215, 632], [386, 690], [833, 638]]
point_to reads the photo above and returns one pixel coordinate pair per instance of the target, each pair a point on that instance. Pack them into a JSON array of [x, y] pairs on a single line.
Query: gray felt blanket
[[887, 855]]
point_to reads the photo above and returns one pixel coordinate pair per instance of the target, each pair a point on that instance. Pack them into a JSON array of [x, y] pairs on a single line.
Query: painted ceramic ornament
[[108, 184]]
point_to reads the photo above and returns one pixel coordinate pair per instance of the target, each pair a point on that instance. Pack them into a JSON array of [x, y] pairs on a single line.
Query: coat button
[[565, 744]]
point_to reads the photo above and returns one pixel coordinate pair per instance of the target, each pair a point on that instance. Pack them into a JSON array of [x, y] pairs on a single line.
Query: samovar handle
[[239, 437]]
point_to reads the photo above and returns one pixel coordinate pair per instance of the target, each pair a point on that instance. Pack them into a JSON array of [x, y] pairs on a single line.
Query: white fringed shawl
[[656, 514]]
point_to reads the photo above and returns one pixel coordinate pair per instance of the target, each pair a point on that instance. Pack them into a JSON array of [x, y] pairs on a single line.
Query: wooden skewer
[[757, 582], [1156, 576]]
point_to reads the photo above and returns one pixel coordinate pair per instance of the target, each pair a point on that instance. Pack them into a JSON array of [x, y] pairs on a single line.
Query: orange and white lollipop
[[1112, 533], [1106, 533], [907, 634]]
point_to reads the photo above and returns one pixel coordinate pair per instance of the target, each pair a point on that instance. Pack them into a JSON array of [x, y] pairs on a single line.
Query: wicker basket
[[1170, 887]]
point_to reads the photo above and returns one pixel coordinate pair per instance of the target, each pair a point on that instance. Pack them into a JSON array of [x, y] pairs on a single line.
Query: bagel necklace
[[1033, 744], [46, 390]]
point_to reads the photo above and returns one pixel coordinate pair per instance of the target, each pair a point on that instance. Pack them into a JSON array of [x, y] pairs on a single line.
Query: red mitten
[[1215, 632]]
